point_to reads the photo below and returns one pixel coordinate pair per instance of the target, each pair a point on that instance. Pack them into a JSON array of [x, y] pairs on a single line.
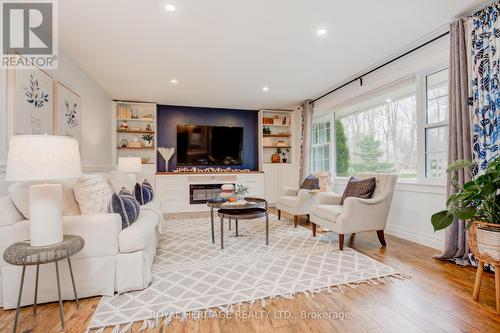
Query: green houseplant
[[478, 203], [477, 199]]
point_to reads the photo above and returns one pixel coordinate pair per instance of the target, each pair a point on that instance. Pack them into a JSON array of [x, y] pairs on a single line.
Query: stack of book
[[123, 112]]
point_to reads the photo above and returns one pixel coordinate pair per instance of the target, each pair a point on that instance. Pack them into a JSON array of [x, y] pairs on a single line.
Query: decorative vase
[[148, 143], [284, 160], [123, 143], [484, 241], [275, 158], [36, 124], [227, 191]]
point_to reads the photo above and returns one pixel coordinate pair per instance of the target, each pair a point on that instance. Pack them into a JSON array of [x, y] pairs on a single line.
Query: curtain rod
[[360, 77]]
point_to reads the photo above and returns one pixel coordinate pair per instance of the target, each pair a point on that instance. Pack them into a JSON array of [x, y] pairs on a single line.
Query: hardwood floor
[[438, 298]]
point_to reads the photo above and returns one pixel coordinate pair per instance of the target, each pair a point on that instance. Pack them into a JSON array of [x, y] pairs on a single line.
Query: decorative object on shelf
[[148, 116], [148, 139], [136, 143], [285, 120], [266, 130], [267, 120], [134, 115], [284, 153], [241, 191], [67, 112], [124, 143], [209, 170], [124, 125], [276, 120], [136, 129], [227, 191], [130, 165], [145, 160], [32, 109], [44, 158], [149, 128], [167, 154], [275, 158], [281, 143], [123, 112]]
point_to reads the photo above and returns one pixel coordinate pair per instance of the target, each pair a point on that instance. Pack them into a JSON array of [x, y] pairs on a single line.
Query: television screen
[[209, 145]]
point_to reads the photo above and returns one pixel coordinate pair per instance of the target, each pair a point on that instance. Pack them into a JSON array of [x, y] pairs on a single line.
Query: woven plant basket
[[484, 242]]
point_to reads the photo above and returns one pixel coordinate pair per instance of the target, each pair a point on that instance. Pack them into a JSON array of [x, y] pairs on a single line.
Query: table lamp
[[43, 158], [130, 165]]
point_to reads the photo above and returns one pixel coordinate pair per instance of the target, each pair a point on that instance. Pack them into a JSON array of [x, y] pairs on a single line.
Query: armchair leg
[[341, 242], [295, 220], [381, 237], [279, 214], [314, 226]]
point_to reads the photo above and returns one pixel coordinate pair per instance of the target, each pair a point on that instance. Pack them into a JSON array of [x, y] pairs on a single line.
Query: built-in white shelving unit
[[132, 123]]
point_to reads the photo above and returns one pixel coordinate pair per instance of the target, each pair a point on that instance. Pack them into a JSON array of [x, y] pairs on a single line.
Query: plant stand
[[485, 256]]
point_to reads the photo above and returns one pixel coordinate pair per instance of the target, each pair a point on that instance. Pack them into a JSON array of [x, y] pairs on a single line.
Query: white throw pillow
[[119, 180], [19, 194], [8, 212], [93, 194]]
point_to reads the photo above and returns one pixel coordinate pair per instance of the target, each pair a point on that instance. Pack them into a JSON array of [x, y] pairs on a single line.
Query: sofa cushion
[[310, 183], [9, 214], [140, 233], [359, 188], [288, 200], [19, 194], [119, 180], [144, 192], [327, 212], [125, 204], [93, 194]]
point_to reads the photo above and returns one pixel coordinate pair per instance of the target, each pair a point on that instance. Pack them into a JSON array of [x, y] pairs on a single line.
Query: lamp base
[[46, 209]]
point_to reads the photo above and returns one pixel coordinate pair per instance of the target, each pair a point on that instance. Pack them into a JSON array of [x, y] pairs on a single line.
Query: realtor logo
[[29, 34]]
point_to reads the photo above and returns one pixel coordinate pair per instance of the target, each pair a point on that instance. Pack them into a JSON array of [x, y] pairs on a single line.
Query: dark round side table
[[23, 254]]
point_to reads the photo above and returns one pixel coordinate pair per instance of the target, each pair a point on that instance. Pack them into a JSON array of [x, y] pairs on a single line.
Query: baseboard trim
[[435, 241]]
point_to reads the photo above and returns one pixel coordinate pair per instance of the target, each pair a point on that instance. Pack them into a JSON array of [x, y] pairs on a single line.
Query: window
[[320, 144], [436, 124], [379, 133]]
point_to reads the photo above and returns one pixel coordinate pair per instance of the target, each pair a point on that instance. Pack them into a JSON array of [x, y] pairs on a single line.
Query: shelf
[[135, 148], [136, 132], [149, 120], [277, 135], [275, 125], [276, 147]]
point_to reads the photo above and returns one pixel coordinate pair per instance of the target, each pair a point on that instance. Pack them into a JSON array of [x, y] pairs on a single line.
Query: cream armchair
[[355, 215], [298, 202]]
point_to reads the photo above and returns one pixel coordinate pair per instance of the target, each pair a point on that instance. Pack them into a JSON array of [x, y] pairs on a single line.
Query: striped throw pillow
[[144, 192], [126, 205]]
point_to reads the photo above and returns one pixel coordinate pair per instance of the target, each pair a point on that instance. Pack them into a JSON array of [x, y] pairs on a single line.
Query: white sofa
[[113, 260], [356, 215]]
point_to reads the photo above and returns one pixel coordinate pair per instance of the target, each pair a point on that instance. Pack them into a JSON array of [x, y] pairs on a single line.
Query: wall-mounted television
[[209, 145]]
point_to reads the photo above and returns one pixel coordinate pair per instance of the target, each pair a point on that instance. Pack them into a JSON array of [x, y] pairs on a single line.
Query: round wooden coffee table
[[252, 208]]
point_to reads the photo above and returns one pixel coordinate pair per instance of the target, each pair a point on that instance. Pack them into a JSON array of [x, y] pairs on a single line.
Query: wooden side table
[[23, 254]]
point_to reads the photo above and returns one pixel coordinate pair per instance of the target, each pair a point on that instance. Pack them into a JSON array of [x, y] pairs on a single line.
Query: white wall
[[414, 202], [96, 120]]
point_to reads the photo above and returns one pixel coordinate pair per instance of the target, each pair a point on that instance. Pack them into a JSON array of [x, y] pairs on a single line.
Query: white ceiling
[[223, 51]]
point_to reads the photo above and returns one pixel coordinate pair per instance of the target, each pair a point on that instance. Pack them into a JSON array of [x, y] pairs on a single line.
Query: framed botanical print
[[67, 112], [30, 102]]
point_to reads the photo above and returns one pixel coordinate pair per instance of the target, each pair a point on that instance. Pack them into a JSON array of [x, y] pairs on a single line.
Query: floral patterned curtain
[[485, 82]]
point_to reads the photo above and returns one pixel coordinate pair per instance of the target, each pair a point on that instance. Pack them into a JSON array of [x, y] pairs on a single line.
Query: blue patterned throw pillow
[[126, 205], [144, 192]]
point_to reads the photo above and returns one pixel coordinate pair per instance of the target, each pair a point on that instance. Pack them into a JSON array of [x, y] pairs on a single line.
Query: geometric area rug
[[192, 276]]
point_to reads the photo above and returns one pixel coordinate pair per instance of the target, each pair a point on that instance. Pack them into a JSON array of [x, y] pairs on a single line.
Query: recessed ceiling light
[[388, 100], [170, 8], [174, 81], [265, 89], [320, 32]]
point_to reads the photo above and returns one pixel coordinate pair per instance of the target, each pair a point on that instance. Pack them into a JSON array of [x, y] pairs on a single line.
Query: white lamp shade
[[129, 164], [42, 157]]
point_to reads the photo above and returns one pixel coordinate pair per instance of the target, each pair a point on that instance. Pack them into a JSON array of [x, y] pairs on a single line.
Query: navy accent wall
[[171, 116]]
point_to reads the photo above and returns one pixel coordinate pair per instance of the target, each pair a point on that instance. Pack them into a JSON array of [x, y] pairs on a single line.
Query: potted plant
[[240, 192], [283, 153], [478, 203], [148, 139]]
